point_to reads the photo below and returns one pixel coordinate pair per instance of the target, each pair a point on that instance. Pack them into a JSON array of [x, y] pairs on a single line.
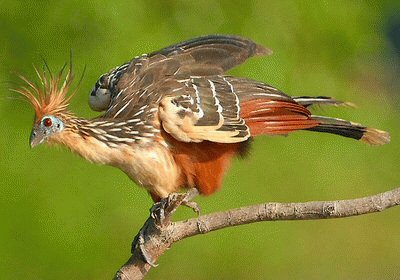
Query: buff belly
[[153, 167]]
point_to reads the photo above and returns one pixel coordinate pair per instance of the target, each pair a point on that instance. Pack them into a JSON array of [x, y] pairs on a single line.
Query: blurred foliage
[[64, 218]]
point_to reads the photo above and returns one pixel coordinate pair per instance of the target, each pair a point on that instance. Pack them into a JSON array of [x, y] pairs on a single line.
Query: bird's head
[[50, 100], [45, 128]]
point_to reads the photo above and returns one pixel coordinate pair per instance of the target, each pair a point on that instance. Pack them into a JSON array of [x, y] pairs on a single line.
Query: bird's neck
[[78, 136]]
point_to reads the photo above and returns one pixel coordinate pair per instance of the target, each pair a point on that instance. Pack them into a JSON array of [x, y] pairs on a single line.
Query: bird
[[173, 119]]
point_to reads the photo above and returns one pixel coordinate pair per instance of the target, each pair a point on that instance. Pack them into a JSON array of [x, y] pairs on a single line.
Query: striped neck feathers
[[97, 140]]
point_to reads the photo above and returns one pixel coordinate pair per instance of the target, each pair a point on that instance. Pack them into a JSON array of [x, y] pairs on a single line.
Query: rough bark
[[159, 235]]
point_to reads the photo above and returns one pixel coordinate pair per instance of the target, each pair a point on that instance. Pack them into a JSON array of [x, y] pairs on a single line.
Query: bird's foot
[[162, 211], [160, 216]]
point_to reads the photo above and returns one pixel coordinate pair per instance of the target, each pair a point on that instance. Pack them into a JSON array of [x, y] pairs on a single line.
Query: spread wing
[[203, 56], [210, 55]]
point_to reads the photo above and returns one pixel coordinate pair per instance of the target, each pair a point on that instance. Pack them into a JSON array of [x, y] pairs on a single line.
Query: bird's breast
[[151, 166]]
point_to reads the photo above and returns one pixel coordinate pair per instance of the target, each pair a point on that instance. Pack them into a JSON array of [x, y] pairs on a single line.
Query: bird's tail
[[307, 101], [356, 131]]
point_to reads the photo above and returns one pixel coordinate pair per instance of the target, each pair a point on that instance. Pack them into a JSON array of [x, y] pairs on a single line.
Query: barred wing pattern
[[203, 109], [209, 108]]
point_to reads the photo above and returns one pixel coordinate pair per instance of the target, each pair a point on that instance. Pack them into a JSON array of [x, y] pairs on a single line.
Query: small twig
[[159, 238]]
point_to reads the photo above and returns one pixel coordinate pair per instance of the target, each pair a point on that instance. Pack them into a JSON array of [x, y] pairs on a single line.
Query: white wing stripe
[[214, 93], [268, 95], [236, 98], [201, 113], [123, 108]]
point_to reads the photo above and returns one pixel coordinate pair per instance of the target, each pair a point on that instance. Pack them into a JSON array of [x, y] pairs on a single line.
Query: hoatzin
[[173, 119]]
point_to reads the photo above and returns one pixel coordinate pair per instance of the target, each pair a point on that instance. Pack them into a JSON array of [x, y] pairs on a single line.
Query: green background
[[64, 218]]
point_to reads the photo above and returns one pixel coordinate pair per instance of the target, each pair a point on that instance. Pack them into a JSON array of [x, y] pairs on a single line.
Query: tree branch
[[160, 235]]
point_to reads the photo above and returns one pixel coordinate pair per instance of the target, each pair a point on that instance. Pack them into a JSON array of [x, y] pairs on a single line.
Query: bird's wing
[[203, 56], [223, 109], [210, 55], [203, 108]]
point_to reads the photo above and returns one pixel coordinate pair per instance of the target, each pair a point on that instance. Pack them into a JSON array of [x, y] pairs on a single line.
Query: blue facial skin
[[47, 126]]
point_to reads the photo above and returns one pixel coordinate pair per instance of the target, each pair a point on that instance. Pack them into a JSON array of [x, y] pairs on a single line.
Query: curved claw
[[192, 205]]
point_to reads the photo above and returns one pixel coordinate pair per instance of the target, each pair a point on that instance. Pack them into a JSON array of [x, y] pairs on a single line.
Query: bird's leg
[[162, 211], [160, 216], [177, 199], [190, 194]]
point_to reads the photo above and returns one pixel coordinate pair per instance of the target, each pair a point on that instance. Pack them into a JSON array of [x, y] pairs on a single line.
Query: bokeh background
[[64, 218]]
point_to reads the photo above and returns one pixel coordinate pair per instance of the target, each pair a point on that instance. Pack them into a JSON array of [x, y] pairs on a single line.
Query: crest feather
[[53, 94]]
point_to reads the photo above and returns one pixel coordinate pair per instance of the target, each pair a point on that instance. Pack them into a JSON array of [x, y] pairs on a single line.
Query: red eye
[[47, 122]]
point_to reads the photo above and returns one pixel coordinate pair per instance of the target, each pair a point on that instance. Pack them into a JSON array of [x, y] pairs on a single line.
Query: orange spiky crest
[[53, 96]]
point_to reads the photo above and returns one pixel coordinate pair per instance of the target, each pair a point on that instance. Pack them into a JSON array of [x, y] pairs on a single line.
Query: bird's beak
[[37, 137]]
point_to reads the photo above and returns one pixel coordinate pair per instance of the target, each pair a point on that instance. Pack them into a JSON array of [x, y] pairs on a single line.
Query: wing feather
[[208, 111], [228, 110], [203, 56]]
